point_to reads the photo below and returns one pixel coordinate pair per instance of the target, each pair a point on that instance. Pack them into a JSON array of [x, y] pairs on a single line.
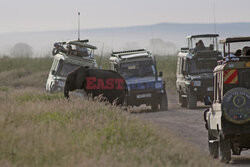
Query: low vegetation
[[40, 129], [47, 130]]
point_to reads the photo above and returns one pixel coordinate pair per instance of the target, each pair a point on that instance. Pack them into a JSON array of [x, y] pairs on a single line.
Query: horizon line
[[121, 27]]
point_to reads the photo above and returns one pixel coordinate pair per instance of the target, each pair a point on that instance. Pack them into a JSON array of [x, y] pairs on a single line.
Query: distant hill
[[170, 36]]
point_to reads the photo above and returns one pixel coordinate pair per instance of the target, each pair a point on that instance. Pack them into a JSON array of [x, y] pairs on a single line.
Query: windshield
[[201, 66], [238, 49], [65, 68], [137, 69], [203, 43]]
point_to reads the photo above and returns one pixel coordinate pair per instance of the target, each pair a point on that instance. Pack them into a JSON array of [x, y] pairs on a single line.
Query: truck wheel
[[225, 150], [164, 103], [182, 101], [213, 146], [191, 101], [154, 107]]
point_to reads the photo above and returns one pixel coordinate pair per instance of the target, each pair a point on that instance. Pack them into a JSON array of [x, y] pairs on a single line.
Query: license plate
[[61, 84], [210, 89], [143, 96]]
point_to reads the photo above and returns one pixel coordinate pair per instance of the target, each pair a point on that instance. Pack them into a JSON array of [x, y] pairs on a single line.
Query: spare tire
[[236, 106]]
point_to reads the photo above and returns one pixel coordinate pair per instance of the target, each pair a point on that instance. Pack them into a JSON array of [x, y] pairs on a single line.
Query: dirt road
[[188, 125]]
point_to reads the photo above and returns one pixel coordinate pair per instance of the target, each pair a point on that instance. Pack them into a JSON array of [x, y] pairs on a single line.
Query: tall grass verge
[[43, 131]]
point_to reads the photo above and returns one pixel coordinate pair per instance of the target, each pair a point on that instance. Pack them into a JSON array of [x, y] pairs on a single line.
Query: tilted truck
[[67, 57]]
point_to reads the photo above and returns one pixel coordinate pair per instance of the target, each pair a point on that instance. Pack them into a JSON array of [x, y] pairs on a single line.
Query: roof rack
[[129, 51], [235, 39], [203, 36]]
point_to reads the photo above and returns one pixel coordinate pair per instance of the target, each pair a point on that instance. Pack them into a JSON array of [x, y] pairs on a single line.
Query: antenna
[[215, 28], [79, 15]]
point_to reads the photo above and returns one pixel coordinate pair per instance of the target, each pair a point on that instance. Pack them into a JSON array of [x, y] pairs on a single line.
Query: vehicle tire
[[191, 100], [182, 101], [225, 149], [164, 103], [213, 147], [154, 107]]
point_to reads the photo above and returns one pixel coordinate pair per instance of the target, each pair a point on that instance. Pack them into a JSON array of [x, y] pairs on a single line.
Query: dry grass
[[38, 129]]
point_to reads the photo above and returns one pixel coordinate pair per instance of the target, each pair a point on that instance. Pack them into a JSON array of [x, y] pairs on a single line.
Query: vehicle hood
[[145, 83], [135, 80]]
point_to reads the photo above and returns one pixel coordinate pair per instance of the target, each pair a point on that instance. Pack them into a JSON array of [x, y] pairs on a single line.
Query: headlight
[[196, 83], [158, 85]]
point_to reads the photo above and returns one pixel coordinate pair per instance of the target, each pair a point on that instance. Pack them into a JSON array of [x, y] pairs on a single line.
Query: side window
[[112, 66], [178, 65], [184, 65], [219, 86], [215, 87], [54, 64]]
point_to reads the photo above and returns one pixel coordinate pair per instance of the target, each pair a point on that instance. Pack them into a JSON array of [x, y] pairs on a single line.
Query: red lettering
[[100, 84], [90, 83], [119, 82], [110, 84]]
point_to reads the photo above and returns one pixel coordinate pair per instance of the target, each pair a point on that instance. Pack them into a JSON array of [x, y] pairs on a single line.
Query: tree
[[161, 47], [21, 50]]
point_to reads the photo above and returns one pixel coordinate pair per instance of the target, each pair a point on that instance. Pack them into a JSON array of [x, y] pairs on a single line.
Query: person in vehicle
[[211, 47], [58, 48], [238, 53], [246, 51], [199, 46]]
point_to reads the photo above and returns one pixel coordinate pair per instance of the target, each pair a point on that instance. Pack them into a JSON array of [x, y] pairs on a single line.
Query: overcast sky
[[42, 15]]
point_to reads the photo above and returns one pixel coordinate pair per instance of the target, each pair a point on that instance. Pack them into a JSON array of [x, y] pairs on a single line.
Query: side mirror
[[207, 100], [160, 74], [53, 72]]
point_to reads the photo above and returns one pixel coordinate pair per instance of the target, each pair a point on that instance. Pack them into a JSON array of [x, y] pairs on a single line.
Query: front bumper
[[202, 91], [139, 97]]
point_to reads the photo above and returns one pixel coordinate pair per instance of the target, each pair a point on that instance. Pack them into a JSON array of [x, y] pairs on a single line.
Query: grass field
[[40, 129]]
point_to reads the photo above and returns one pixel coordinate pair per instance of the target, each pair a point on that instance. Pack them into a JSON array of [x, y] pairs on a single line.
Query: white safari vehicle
[[67, 57], [228, 118]]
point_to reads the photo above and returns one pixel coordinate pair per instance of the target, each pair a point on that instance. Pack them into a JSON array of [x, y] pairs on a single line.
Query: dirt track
[[188, 125]]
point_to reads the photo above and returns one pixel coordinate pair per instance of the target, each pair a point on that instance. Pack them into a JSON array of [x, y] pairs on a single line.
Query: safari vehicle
[[228, 118], [138, 68], [67, 57], [195, 66]]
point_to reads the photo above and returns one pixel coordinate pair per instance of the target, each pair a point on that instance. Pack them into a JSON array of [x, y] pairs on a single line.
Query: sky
[[46, 15]]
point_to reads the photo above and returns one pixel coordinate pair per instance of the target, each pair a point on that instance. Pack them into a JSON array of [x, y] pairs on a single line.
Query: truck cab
[[138, 68], [67, 57], [195, 66], [228, 118]]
